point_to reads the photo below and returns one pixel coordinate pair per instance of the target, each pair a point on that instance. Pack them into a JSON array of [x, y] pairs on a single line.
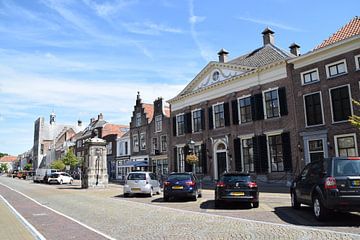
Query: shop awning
[[135, 164]]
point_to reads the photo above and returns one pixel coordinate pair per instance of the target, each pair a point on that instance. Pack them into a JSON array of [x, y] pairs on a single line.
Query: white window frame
[[322, 110], [239, 112], [136, 149], [137, 116], [142, 134], [268, 134], [153, 146], [161, 147], [156, 121], [177, 126], [335, 63], [302, 74], [213, 113], [357, 59], [331, 106], [308, 145], [245, 137], [345, 135], [192, 120], [264, 102]]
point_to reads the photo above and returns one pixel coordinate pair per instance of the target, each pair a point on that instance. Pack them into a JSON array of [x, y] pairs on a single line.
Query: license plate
[[135, 189], [177, 187], [237, 194], [356, 183]]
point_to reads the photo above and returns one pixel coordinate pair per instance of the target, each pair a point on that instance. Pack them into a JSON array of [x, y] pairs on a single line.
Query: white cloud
[[196, 19], [150, 28], [270, 23], [108, 8]]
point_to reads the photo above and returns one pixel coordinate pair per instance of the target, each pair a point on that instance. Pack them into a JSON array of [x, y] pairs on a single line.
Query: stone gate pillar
[[95, 166]]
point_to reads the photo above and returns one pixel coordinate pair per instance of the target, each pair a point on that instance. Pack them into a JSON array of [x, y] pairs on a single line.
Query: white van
[[142, 183], [42, 173]]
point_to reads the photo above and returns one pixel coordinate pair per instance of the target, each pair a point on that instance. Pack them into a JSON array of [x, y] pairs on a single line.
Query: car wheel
[[255, 205], [294, 202], [320, 212], [159, 191], [126, 195], [218, 203], [165, 198], [200, 195], [61, 182], [71, 181], [195, 197], [151, 192]]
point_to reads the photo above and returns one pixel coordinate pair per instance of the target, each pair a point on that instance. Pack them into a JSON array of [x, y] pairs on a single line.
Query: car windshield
[[137, 176], [346, 167], [179, 177], [54, 175], [236, 178]]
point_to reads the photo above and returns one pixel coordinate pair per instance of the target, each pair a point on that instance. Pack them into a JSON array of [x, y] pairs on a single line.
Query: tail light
[[190, 183], [330, 183], [252, 185], [166, 183], [220, 184]]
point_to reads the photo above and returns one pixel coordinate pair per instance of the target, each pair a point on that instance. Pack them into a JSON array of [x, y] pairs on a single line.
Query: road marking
[[30, 227], [55, 211]]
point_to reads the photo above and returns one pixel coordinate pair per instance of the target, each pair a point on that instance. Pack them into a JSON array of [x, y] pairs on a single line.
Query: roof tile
[[8, 159]]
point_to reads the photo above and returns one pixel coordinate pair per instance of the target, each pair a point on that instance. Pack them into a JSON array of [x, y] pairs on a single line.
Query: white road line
[[55, 211], [30, 227]]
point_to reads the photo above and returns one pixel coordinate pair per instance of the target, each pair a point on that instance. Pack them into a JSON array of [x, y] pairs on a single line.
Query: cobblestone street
[[149, 218]]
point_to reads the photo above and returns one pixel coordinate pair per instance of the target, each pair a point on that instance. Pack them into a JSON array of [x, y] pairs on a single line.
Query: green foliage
[[3, 167], [355, 120], [70, 159], [28, 166], [58, 164], [3, 154]]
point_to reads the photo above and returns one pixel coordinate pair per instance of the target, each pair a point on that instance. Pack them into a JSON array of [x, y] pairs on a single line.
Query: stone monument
[[94, 168]]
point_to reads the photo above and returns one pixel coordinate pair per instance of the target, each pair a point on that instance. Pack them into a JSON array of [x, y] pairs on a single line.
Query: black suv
[[328, 184]]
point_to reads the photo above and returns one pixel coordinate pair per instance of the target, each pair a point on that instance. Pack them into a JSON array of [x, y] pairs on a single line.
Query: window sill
[[343, 121], [338, 75], [313, 126], [310, 83], [269, 118]]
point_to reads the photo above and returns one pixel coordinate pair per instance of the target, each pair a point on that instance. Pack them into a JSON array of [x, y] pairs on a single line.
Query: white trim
[[158, 116], [245, 137], [322, 110], [239, 112], [323, 145], [142, 134], [269, 134], [274, 132], [133, 142], [215, 151], [331, 106], [357, 59], [213, 113], [264, 102], [167, 145], [309, 71], [345, 135], [176, 122], [192, 120], [335, 63]]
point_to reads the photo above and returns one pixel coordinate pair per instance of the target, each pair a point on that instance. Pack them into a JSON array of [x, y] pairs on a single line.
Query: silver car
[[141, 183]]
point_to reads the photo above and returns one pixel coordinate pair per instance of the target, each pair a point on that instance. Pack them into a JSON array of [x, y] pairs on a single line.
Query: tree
[[355, 120], [3, 167], [3, 154], [70, 159], [58, 164], [27, 166]]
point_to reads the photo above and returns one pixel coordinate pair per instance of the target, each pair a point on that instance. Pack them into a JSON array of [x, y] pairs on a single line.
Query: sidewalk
[[12, 227]]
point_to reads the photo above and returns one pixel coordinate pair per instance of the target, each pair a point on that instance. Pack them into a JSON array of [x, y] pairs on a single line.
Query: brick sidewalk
[[12, 227]]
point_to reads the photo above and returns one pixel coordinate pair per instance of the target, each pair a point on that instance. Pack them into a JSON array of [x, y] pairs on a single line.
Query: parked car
[[141, 183], [21, 175], [42, 174], [60, 178], [236, 187], [180, 185], [328, 184]]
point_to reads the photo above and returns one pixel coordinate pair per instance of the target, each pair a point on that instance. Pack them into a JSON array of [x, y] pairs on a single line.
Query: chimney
[[223, 55], [295, 49], [100, 117], [268, 36], [79, 123]]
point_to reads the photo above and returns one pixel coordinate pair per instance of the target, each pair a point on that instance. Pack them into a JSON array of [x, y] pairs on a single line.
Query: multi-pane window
[[357, 62], [316, 150], [248, 154], [196, 118], [181, 159], [245, 110], [335, 69], [310, 76], [158, 123], [180, 124], [219, 117], [135, 143], [142, 141], [138, 119], [197, 151], [271, 103], [163, 143], [79, 143], [341, 104], [313, 109], [154, 144], [276, 153], [109, 148], [346, 145]]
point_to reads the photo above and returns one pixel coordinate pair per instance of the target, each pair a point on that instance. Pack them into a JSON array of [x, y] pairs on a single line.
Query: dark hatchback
[[328, 184], [182, 185], [236, 187]]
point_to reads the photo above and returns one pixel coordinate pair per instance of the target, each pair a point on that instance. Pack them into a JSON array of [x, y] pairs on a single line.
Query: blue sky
[[83, 57]]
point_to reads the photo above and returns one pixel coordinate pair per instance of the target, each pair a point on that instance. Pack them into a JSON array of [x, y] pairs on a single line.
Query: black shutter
[[227, 114], [188, 167], [211, 125], [187, 119], [237, 154], [258, 112], [286, 145], [174, 126], [260, 154], [174, 168], [202, 119], [203, 158], [282, 101], [235, 113]]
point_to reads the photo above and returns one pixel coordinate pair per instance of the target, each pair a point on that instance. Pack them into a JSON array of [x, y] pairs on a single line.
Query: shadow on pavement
[[210, 204], [304, 216]]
